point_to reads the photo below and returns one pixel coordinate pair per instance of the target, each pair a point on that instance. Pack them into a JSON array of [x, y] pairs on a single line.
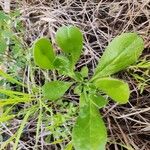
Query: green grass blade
[[5, 118], [4, 102], [38, 126], [10, 79], [24, 121], [13, 93]]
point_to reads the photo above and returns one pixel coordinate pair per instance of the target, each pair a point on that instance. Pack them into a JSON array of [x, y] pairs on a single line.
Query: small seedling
[[89, 131]]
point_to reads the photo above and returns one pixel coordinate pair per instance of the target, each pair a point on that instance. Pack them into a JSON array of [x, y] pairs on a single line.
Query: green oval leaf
[[70, 40], [43, 53], [84, 71], [55, 89], [118, 90], [62, 64], [78, 89], [98, 100], [123, 51], [89, 132]]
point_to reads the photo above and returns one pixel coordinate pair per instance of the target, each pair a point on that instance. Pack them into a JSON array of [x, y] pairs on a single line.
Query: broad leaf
[[55, 89], [89, 132], [84, 71], [61, 63], [43, 53], [70, 40], [98, 100], [123, 51], [118, 90], [78, 89]]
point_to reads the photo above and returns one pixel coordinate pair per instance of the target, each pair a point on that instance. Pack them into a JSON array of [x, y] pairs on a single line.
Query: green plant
[[141, 73], [12, 63], [89, 131], [11, 43]]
